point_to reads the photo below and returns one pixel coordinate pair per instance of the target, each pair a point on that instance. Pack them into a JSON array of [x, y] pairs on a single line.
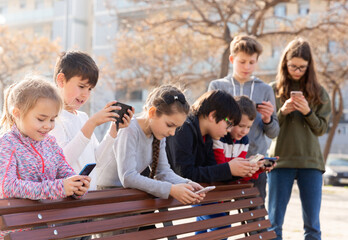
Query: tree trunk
[[225, 62], [336, 116]]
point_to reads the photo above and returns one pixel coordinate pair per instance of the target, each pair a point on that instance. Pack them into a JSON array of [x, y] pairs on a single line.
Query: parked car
[[336, 170]]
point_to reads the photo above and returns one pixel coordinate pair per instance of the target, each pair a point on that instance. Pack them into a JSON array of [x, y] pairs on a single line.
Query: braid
[[155, 156]]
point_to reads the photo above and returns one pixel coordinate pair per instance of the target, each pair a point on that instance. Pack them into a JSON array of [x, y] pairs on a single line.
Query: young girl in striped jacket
[[32, 165]]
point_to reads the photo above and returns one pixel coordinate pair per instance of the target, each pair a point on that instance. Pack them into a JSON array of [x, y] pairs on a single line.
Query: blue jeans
[[309, 181], [200, 218]]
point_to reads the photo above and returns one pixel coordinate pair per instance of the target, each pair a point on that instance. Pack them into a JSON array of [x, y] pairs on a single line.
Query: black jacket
[[192, 158]]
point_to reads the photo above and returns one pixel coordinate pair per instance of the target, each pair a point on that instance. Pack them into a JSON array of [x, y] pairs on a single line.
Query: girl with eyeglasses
[[303, 109], [142, 145]]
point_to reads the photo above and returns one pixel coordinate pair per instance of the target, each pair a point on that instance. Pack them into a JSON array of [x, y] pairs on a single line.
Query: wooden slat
[[126, 222], [200, 225], [30, 219], [233, 231], [13, 205]]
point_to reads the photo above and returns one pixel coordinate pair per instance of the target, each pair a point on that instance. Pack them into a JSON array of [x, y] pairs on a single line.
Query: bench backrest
[[119, 209]]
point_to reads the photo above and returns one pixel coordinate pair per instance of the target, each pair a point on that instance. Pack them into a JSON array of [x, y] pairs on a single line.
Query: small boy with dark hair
[[236, 143], [190, 151], [76, 74], [245, 51]]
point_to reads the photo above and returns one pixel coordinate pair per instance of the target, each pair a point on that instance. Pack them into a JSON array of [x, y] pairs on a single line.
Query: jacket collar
[[25, 140]]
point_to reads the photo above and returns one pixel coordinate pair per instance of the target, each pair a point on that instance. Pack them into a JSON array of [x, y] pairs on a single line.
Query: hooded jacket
[[257, 91]]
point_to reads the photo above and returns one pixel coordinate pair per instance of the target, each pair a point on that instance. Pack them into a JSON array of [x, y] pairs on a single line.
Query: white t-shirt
[[78, 149]]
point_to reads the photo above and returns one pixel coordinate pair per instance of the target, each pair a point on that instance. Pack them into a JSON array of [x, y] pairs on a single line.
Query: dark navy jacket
[[191, 157]]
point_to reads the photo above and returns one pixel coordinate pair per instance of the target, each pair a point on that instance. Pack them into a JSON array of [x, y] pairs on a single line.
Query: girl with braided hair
[[142, 144]]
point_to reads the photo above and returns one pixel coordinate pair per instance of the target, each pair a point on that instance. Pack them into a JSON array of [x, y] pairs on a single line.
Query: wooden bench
[[44, 217]]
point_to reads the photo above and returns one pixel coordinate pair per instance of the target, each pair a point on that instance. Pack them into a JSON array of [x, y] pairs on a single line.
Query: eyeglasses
[[229, 123], [294, 68]]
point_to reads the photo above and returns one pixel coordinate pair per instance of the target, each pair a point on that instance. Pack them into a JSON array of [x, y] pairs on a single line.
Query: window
[[303, 9], [22, 4], [280, 10]]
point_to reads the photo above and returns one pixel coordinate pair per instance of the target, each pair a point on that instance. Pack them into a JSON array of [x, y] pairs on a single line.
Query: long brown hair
[[309, 84]]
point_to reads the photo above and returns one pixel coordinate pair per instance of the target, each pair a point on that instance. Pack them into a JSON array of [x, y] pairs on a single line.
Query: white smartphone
[[206, 189], [296, 93], [256, 158]]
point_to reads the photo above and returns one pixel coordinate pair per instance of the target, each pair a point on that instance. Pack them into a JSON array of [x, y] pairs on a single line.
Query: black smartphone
[[269, 161], [258, 104], [87, 169], [122, 111]]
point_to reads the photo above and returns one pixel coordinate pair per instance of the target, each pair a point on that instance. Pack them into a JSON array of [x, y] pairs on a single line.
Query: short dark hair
[[76, 63], [219, 101], [246, 106]]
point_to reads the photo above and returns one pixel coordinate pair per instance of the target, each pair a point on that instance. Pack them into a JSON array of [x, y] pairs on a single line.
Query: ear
[[152, 112], [231, 58], [211, 116], [16, 113], [61, 80]]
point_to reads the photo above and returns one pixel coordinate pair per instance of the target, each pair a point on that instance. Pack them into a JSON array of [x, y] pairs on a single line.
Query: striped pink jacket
[[32, 169]]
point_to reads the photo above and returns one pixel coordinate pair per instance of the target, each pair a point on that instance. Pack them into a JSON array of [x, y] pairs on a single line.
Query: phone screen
[[122, 111]]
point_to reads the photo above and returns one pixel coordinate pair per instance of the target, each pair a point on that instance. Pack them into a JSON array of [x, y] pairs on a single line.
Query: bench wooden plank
[[121, 211], [200, 225], [37, 218]]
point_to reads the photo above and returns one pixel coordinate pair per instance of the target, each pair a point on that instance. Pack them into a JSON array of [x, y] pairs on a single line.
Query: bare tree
[[332, 61], [20, 54]]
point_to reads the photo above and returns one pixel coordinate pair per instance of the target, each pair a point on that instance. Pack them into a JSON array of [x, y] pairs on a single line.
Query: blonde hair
[[24, 95]]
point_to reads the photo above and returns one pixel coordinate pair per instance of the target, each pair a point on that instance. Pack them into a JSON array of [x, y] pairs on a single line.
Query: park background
[[141, 44]]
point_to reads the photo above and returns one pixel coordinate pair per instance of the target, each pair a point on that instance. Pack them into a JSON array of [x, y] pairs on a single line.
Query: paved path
[[333, 216]]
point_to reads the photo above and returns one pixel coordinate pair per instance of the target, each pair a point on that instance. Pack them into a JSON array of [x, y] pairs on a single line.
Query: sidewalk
[[333, 216]]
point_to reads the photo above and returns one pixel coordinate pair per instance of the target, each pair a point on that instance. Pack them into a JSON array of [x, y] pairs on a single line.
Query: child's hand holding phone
[[74, 185]]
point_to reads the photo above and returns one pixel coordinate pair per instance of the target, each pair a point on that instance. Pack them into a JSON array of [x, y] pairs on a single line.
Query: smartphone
[[269, 161], [122, 111], [258, 104], [87, 169], [205, 190], [296, 93], [256, 158]]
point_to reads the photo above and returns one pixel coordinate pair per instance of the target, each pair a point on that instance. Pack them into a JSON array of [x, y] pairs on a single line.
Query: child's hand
[[72, 184], [126, 121], [127, 118], [288, 107], [184, 194], [240, 167], [103, 116], [301, 105], [266, 109], [85, 186], [106, 114]]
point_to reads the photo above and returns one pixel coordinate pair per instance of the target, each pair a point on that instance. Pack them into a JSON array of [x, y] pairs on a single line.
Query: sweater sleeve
[[72, 149], [272, 129], [198, 170], [104, 150], [12, 186], [164, 172], [218, 149], [64, 170], [319, 118], [125, 149]]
